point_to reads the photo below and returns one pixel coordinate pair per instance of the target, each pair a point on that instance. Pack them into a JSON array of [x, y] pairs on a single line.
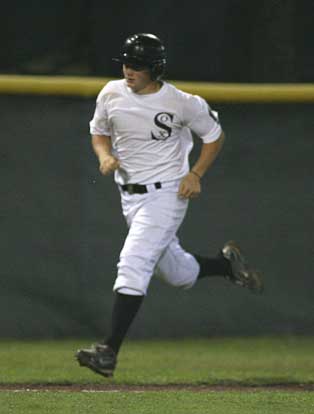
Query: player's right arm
[[101, 133], [103, 149]]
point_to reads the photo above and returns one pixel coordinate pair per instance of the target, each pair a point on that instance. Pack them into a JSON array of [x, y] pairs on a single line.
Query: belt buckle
[[130, 189]]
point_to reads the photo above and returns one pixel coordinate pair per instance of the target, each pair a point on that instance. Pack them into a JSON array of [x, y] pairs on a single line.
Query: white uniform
[[151, 137]]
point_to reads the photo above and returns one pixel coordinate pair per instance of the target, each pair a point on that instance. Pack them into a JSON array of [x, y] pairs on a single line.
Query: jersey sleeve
[[199, 117], [99, 125]]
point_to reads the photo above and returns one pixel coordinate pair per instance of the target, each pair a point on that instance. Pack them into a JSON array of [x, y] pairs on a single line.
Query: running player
[[141, 131]]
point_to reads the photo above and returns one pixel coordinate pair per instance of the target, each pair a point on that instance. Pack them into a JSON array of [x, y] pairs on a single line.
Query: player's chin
[[131, 83]]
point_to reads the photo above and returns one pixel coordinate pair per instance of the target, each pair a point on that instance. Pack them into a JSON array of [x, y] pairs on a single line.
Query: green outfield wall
[[62, 229]]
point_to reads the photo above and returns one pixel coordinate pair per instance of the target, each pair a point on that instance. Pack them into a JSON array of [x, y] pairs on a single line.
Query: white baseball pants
[[151, 246]]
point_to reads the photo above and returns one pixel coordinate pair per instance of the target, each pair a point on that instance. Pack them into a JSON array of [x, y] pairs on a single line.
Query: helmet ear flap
[[157, 70]]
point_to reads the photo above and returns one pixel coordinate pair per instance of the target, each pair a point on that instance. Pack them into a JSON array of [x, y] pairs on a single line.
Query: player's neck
[[151, 87]]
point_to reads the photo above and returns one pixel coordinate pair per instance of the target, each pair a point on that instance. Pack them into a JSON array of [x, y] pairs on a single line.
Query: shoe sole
[[85, 361], [244, 276]]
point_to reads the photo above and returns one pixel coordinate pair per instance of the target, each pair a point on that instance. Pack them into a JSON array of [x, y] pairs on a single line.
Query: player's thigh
[[154, 225], [176, 266], [150, 232]]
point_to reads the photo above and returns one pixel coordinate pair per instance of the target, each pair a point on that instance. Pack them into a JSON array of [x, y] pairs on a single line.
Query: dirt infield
[[145, 388]]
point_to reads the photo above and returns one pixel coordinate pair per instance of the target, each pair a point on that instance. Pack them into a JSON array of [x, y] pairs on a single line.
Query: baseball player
[[141, 131]]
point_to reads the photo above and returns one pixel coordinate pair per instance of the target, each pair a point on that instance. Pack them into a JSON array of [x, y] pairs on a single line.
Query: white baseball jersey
[[151, 133]]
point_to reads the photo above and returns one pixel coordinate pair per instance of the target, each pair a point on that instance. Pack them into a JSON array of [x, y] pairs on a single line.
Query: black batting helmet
[[144, 50]]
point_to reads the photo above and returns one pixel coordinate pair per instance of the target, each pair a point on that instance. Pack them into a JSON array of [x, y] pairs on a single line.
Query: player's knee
[[186, 283], [134, 273], [179, 275]]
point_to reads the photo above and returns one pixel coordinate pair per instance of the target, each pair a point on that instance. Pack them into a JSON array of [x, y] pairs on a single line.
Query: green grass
[[158, 402], [252, 361], [238, 361]]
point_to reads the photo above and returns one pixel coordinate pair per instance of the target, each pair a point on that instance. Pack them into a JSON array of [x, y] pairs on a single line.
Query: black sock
[[216, 266], [124, 310]]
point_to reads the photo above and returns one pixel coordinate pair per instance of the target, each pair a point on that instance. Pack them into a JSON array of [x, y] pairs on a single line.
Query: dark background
[[61, 227], [226, 40]]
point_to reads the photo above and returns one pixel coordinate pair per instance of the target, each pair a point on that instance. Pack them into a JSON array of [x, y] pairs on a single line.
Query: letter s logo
[[163, 120]]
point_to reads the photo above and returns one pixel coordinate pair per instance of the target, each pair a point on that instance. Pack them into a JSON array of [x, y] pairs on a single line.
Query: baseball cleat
[[99, 358], [241, 274]]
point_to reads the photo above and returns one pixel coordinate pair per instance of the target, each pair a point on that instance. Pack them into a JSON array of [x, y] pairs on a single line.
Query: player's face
[[138, 79]]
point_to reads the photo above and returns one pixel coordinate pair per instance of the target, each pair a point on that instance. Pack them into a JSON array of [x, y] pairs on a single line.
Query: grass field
[[162, 377]]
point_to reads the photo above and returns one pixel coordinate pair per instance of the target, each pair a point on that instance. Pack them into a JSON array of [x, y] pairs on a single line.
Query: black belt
[[138, 188]]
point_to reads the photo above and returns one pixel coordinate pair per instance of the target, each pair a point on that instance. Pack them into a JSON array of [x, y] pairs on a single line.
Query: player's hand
[[190, 186], [108, 164]]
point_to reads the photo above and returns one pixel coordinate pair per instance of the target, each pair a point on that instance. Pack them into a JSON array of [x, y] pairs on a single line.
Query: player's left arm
[[190, 186]]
